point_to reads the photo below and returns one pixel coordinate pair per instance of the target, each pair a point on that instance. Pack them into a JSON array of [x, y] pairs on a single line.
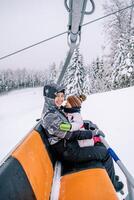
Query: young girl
[[72, 109]]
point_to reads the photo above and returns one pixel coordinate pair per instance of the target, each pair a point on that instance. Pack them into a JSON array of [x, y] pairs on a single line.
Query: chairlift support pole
[[77, 10]]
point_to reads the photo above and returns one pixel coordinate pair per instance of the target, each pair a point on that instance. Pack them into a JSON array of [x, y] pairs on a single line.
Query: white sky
[[112, 111], [26, 22]]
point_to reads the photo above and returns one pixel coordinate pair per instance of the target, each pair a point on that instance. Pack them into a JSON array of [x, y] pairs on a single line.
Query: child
[[72, 109]]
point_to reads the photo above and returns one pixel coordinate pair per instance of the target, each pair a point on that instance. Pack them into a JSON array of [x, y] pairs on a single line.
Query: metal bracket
[[74, 40]]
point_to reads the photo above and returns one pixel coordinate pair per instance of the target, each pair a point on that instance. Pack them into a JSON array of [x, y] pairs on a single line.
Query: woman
[[64, 141]]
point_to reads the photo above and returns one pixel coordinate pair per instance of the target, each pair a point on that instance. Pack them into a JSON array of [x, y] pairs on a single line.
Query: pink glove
[[96, 139]]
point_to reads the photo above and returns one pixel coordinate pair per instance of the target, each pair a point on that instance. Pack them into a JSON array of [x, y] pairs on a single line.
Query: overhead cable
[[113, 13], [33, 45], [60, 34]]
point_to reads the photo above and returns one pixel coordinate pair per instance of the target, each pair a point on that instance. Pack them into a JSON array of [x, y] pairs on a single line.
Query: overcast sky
[[25, 22]]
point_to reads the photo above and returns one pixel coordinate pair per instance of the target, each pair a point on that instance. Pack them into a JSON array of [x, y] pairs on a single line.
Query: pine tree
[[20, 78], [86, 84], [99, 77], [91, 77], [123, 74], [75, 77], [51, 74], [120, 30]]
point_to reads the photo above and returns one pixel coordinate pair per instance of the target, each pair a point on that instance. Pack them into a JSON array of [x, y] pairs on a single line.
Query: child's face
[[68, 105]]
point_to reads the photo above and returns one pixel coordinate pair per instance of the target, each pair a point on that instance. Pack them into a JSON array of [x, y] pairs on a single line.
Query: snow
[[18, 113], [112, 111]]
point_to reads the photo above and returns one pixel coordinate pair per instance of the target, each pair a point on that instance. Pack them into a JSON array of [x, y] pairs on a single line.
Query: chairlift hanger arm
[[77, 10]]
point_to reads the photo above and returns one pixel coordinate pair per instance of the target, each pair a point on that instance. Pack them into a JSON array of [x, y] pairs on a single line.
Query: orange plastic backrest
[[36, 163], [91, 184]]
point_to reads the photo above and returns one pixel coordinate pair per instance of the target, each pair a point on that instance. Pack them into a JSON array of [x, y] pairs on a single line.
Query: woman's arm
[[55, 126], [79, 135], [51, 122]]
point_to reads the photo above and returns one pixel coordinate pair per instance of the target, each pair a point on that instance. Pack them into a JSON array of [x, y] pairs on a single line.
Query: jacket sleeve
[[79, 135], [52, 123]]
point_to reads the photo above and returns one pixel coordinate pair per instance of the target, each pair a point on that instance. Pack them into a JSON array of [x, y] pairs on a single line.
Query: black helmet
[[50, 90]]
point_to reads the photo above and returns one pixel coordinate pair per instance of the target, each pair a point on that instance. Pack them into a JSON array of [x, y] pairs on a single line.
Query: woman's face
[[59, 99]]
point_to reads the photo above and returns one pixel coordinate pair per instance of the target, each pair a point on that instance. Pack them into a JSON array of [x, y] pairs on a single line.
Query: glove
[[98, 132], [96, 139], [65, 126]]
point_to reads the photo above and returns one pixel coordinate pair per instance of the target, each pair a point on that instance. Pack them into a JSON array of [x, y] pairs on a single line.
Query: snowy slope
[[18, 113], [112, 111]]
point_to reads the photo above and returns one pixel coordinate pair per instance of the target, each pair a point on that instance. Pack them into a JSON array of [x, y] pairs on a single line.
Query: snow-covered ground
[[18, 113], [112, 111]]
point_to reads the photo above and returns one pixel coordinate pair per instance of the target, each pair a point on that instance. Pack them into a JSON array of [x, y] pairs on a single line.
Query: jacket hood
[[49, 104], [50, 90]]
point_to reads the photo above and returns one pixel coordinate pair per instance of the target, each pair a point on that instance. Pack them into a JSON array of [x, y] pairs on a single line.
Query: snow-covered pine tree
[[52, 74], [20, 78], [103, 77], [75, 77], [86, 84], [2, 81], [114, 26], [94, 76], [99, 77], [119, 28], [91, 77], [123, 74], [60, 67]]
